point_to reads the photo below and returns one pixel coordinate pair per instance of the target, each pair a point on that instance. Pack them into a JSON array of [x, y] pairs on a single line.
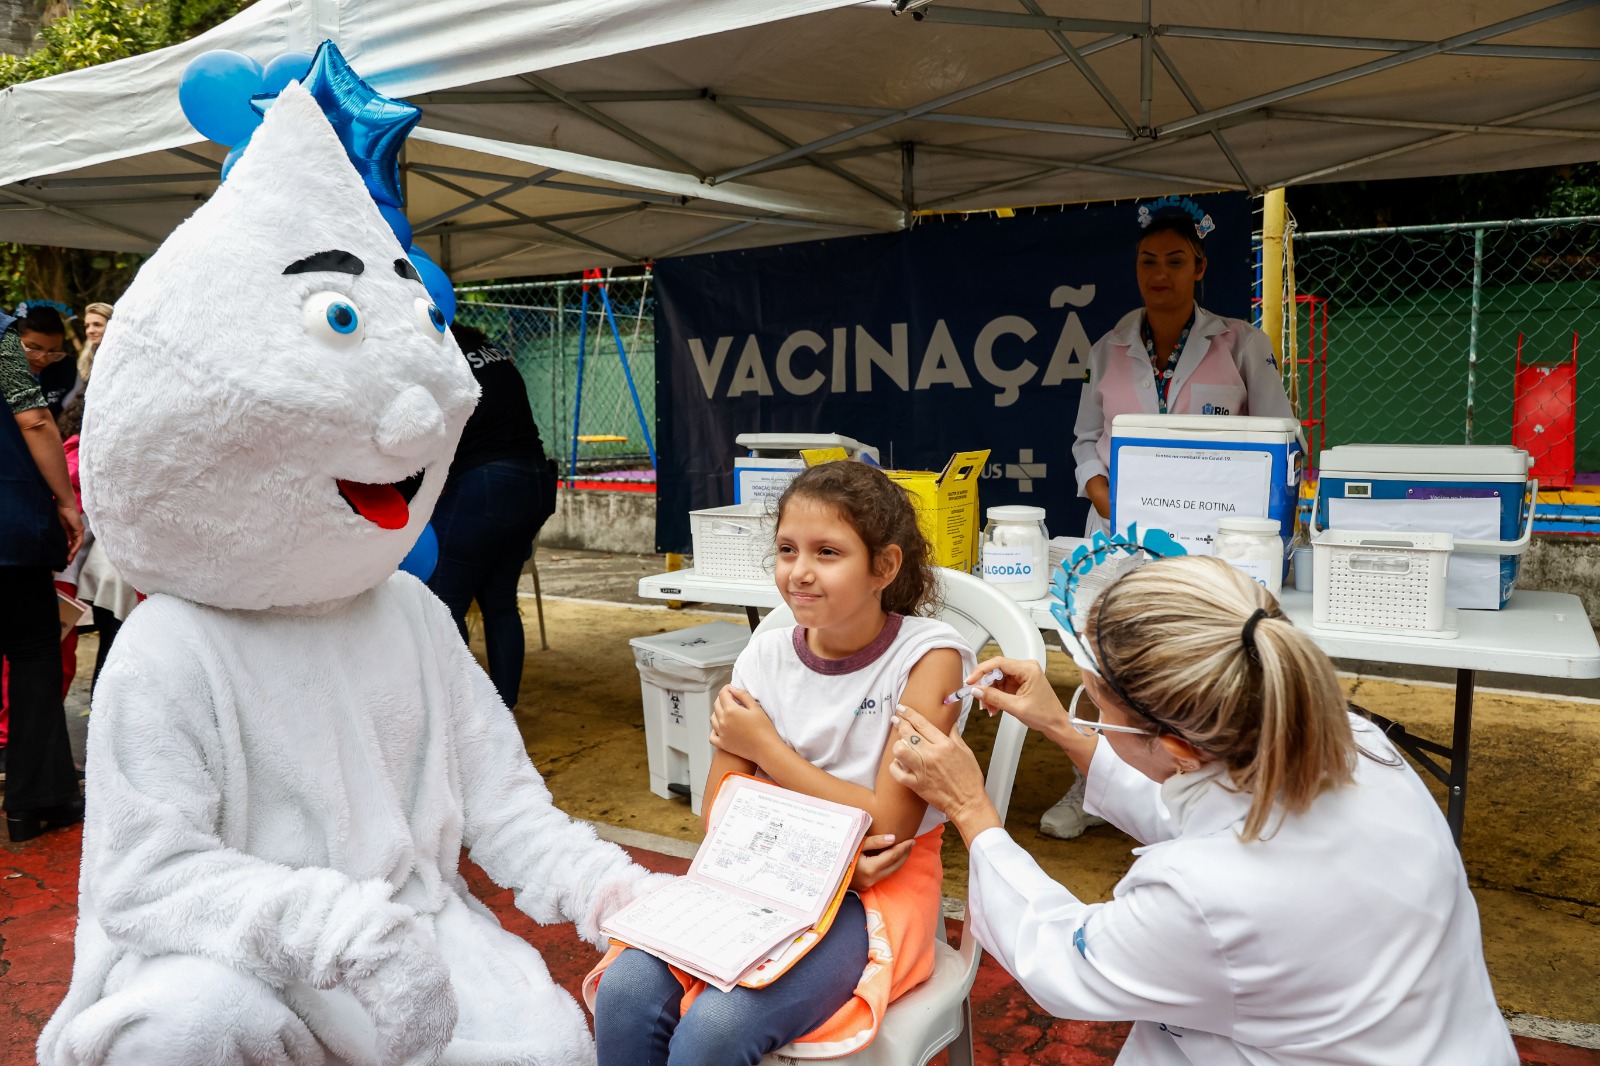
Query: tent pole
[[1272, 271]]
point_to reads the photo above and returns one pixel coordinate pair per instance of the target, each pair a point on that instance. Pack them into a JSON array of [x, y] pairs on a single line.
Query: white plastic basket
[[733, 542], [1381, 580]]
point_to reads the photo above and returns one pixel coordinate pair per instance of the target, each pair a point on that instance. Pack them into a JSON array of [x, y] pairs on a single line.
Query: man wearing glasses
[[44, 342]]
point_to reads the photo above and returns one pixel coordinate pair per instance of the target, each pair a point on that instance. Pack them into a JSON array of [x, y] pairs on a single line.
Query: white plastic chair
[[938, 1013]]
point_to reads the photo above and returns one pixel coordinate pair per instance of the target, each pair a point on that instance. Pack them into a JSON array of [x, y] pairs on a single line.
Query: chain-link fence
[[1419, 328], [544, 325]]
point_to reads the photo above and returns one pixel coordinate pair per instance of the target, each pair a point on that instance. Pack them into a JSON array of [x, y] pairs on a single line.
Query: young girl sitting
[[809, 708]]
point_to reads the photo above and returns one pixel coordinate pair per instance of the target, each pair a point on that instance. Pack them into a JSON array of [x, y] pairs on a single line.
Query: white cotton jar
[[1016, 551], [1255, 546]]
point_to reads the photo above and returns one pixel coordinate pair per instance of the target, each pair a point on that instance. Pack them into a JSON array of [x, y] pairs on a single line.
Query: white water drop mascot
[[290, 743]]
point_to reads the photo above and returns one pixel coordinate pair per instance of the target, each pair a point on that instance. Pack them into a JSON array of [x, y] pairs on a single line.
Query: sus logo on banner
[[947, 337]]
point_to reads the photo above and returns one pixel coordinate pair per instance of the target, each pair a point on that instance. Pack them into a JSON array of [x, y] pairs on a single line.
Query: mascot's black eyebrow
[[336, 260], [404, 268]]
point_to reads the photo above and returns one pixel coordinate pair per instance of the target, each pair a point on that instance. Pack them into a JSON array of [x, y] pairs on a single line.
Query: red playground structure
[[1544, 417]]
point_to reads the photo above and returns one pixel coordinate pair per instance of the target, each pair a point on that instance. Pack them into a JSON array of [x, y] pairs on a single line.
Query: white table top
[[1539, 634]]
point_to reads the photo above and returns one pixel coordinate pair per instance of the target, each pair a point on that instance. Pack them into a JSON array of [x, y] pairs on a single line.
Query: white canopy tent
[[573, 133]]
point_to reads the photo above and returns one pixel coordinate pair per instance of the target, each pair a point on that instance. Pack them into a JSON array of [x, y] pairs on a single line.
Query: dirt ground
[[1531, 853]]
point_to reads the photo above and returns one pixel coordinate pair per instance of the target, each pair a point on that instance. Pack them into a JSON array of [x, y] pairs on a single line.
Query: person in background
[[44, 341], [40, 532], [1170, 356], [95, 317], [66, 580], [499, 491], [109, 596], [1298, 901]]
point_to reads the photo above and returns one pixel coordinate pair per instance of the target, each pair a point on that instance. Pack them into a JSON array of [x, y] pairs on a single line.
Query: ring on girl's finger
[[913, 740]]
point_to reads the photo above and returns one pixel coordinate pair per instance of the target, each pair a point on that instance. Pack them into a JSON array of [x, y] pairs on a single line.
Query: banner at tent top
[[948, 337]]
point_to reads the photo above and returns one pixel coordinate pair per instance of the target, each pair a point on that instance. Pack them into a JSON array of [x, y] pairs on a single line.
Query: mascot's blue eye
[[342, 317], [333, 318], [430, 320]]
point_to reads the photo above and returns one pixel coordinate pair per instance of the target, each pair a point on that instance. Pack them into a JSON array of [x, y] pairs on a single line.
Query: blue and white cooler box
[[1479, 494], [775, 459], [1182, 473]]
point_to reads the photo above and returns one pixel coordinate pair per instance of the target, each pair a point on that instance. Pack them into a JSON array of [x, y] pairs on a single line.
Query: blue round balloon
[[233, 157], [291, 66], [423, 556], [398, 222], [416, 252], [215, 92], [438, 285]]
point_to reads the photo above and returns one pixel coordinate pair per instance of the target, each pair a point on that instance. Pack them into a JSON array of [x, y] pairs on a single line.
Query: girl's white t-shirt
[[835, 712]]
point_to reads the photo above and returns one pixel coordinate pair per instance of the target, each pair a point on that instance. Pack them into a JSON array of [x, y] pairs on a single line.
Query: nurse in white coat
[[1170, 356], [1298, 899]]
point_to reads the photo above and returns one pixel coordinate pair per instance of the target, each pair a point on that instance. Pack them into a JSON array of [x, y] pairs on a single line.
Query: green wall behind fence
[[1397, 371]]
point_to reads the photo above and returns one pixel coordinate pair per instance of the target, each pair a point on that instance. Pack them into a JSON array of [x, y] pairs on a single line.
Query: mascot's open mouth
[[382, 505]]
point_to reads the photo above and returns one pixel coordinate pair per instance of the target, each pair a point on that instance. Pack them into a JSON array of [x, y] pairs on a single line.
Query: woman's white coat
[[1347, 936]]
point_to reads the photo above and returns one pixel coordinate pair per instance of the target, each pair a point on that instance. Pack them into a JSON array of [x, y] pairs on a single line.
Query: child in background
[[809, 708]]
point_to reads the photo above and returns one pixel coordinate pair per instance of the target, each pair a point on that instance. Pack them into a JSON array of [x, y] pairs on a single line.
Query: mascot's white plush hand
[[406, 990]]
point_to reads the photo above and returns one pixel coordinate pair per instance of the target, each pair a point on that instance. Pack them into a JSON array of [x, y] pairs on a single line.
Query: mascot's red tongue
[[382, 505]]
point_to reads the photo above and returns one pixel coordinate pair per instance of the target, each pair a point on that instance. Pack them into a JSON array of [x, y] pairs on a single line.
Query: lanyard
[[1164, 378]]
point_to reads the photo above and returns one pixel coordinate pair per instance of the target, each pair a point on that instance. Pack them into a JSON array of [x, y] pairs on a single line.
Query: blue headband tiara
[[1176, 205], [1093, 568], [33, 305]]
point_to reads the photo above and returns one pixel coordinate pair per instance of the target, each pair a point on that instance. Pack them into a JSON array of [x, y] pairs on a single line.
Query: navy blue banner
[[948, 337]]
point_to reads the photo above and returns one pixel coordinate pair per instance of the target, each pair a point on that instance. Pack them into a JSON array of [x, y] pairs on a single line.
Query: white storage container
[[1473, 492], [734, 542], [1253, 546], [774, 459], [1015, 555], [680, 674], [1378, 580]]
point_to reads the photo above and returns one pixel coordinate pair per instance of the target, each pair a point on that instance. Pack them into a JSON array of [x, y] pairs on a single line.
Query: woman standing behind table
[[1170, 356], [1299, 900], [500, 490]]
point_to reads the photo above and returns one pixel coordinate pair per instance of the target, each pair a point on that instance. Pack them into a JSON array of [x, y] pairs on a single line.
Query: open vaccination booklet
[[762, 890]]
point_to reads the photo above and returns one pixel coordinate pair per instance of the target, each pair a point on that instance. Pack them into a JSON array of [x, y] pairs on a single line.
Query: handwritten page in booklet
[[772, 864]]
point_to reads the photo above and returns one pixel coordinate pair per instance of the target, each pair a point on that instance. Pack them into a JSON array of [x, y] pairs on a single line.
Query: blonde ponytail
[[1172, 635]]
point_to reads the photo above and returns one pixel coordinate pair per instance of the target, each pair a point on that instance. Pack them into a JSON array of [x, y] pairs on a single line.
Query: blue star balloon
[[371, 125]]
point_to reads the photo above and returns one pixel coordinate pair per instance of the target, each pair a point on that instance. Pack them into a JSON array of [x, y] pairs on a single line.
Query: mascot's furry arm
[[557, 868]]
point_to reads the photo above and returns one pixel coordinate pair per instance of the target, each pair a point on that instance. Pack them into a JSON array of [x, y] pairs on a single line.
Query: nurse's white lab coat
[[1227, 367], [1347, 936]]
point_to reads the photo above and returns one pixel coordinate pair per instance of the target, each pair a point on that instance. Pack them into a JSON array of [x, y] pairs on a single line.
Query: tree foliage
[[1540, 192], [91, 33], [99, 31]]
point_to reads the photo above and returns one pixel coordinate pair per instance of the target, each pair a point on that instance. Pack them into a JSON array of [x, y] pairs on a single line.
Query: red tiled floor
[[38, 912]]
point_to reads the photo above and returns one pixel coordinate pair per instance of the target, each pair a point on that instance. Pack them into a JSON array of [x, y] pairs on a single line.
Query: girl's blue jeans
[[636, 1021]]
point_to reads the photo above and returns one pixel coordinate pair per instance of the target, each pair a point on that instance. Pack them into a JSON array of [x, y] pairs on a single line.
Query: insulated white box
[[1398, 474], [774, 459], [1261, 456], [680, 674]]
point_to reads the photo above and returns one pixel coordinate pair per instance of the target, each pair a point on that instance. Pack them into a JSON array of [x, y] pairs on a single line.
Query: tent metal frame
[[665, 192]]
